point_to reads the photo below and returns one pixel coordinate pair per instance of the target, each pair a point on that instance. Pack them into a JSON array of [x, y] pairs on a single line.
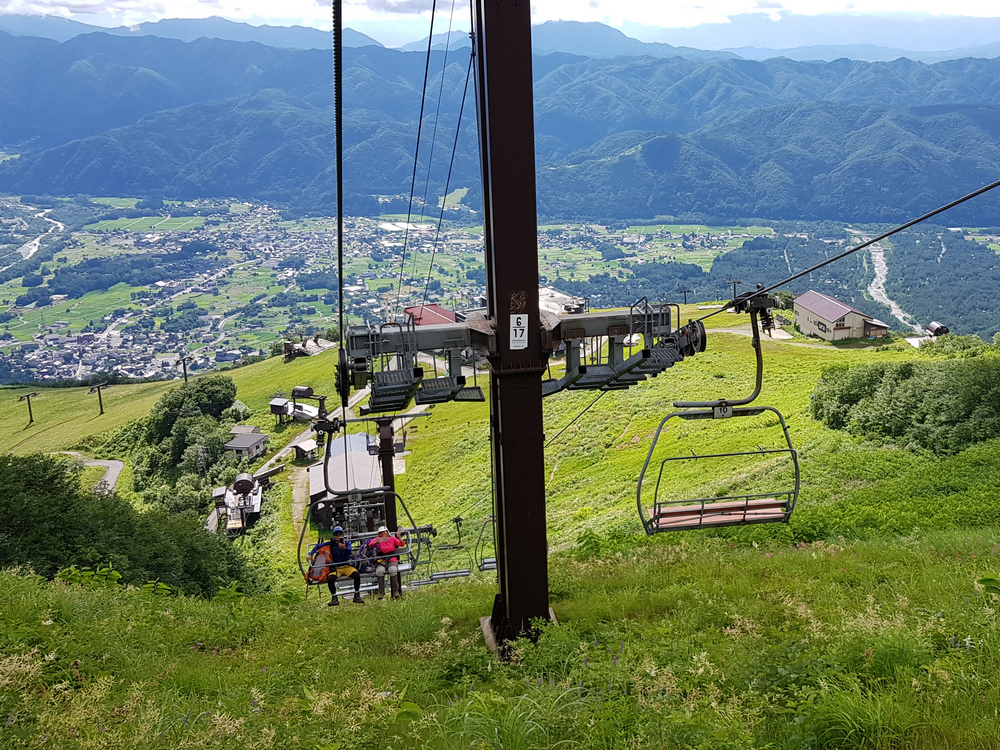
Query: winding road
[[114, 468]]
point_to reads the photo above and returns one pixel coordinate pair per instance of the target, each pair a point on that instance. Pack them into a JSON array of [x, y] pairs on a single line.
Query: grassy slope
[[881, 639], [65, 416], [866, 644]]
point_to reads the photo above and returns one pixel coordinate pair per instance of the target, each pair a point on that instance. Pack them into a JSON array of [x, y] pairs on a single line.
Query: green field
[[149, 224], [66, 416], [117, 202]]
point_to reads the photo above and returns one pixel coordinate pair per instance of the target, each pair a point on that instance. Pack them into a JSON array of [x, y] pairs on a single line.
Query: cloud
[[402, 7], [70, 8]]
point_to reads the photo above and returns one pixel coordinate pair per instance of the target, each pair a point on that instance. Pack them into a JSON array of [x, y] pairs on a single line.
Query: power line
[[447, 183], [437, 120], [416, 155], [862, 246]]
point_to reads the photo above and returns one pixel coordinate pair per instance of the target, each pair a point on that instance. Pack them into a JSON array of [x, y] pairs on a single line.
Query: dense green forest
[[615, 138]]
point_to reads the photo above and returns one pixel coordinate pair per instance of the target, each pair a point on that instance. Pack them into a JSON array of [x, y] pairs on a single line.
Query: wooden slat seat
[[752, 510]]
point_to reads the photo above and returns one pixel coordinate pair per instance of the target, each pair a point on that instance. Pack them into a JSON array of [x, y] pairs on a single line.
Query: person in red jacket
[[385, 545]]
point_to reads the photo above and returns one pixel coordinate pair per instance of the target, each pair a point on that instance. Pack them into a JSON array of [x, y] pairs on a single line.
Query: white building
[[832, 320]]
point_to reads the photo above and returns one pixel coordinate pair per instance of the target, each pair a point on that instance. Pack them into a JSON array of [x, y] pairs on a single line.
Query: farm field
[[149, 224]]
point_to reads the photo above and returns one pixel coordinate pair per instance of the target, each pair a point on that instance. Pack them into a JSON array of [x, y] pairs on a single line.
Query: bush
[[944, 406], [50, 523]]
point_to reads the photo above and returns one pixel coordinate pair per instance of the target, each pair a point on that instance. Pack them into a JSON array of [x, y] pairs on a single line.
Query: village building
[[425, 315], [248, 444], [830, 319]]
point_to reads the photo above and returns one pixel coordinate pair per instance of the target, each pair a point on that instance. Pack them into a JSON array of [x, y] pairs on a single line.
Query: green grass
[[454, 198], [149, 223], [858, 625], [64, 417], [117, 202], [883, 644]]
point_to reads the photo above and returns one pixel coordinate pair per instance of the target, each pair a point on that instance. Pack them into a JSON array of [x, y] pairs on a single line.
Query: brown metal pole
[[506, 121], [386, 454]]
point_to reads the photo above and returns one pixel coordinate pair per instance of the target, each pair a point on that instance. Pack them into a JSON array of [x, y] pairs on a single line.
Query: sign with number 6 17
[[518, 332]]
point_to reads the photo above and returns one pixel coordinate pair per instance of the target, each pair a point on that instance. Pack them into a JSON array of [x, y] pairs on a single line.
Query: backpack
[[319, 565], [365, 559]]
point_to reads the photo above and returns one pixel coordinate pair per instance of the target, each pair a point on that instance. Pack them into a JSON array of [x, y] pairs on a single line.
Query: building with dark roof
[[830, 319], [248, 444]]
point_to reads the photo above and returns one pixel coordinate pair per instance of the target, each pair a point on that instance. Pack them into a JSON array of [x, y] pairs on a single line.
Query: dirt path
[[113, 468], [877, 288], [745, 331], [299, 477]]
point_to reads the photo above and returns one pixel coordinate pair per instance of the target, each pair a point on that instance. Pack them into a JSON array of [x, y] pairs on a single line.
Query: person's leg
[[331, 583], [380, 577], [394, 583], [357, 587]]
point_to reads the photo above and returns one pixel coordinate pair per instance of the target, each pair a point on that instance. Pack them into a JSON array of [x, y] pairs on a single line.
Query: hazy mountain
[[868, 52], [577, 38], [616, 137], [189, 29], [296, 37], [598, 40], [47, 27], [785, 30], [453, 41]]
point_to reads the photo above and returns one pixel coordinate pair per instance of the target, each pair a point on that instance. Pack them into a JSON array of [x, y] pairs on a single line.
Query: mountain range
[[746, 36], [622, 137]]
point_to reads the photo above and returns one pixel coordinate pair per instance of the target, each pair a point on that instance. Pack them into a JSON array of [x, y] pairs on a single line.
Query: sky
[[393, 21]]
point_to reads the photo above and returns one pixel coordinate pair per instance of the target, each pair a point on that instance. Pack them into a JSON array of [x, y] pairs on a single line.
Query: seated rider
[[340, 548], [385, 545]]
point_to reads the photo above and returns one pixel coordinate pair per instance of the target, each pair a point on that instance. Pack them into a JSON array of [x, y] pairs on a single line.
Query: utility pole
[[386, 456], [510, 233], [27, 397], [734, 280], [98, 389], [685, 292], [183, 361]]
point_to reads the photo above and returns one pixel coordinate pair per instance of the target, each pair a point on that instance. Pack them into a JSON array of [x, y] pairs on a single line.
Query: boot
[[357, 598], [334, 602], [381, 587], [395, 583]]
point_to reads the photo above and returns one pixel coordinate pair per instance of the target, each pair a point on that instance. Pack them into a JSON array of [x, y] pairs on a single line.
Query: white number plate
[[722, 412], [518, 332]]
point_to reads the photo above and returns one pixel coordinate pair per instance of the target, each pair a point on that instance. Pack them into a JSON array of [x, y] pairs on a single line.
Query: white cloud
[[613, 12]]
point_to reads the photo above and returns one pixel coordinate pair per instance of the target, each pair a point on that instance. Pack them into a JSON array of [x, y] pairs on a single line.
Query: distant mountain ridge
[[571, 37], [621, 137], [186, 30]]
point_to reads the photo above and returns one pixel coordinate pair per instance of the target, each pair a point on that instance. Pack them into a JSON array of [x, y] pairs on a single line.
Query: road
[[30, 247], [113, 468]]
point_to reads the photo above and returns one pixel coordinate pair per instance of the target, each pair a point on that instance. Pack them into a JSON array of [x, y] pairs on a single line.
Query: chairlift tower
[[510, 224]]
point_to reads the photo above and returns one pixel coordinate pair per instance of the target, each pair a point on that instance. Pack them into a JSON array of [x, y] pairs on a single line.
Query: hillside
[[66, 416], [861, 624]]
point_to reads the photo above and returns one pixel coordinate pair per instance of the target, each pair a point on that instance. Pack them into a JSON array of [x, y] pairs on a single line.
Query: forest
[[844, 140]]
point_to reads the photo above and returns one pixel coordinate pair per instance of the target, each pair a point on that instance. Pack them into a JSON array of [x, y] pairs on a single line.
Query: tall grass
[[885, 643]]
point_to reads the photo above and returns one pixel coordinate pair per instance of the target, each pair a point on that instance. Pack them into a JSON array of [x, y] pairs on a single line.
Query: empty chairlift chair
[[761, 484]]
